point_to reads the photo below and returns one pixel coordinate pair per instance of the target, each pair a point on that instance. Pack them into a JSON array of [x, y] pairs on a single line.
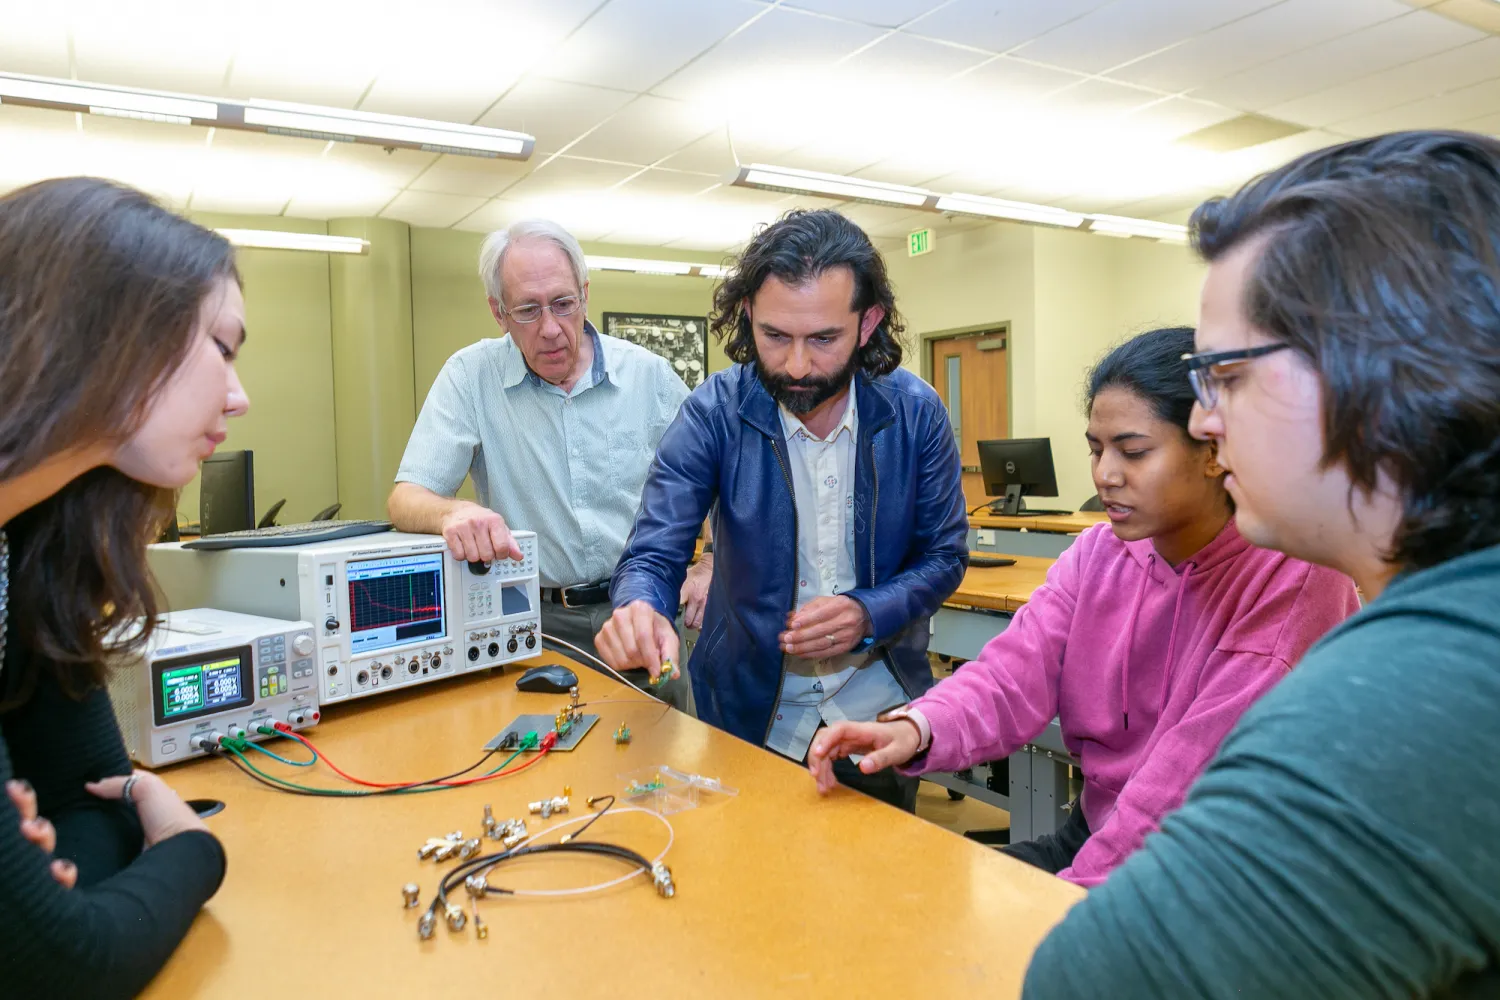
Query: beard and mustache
[[803, 395]]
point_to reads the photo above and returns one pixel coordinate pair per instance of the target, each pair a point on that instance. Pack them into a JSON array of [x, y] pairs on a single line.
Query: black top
[[111, 933]]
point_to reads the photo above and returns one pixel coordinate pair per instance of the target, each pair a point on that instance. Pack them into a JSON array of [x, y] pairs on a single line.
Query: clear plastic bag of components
[[667, 790]]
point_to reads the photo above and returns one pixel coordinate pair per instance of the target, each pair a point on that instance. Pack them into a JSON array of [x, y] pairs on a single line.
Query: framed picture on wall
[[682, 340]]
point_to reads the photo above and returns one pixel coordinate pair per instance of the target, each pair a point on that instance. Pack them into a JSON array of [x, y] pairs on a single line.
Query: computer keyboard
[[981, 561], [288, 534]]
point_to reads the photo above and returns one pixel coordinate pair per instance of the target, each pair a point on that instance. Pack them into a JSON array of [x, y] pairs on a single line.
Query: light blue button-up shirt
[[853, 687], [568, 465]]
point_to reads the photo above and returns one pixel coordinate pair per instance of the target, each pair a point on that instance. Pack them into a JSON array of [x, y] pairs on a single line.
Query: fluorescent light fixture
[[1019, 211], [270, 239], [758, 175], [275, 117], [642, 265], [386, 130], [119, 102], [1120, 225]]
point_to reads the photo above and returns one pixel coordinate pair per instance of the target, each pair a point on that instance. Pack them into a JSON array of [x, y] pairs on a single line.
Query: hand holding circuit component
[[824, 627], [884, 744], [477, 534], [39, 830], [162, 812], [638, 636], [695, 590]]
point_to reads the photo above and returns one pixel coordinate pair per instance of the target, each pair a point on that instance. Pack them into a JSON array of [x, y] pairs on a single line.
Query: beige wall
[[1067, 297], [287, 368]]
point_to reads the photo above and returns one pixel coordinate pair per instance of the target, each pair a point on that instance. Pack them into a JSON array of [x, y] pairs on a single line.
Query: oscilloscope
[[205, 672], [390, 609]]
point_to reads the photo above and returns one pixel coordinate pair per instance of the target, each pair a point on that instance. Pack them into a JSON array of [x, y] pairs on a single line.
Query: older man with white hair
[[557, 424]]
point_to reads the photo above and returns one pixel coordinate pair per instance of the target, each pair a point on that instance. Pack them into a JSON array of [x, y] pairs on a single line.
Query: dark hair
[[797, 248], [1381, 266], [100, 293], [1151, 366]]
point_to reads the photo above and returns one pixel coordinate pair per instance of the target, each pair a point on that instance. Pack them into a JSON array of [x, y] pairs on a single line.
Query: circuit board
[[542, 725]]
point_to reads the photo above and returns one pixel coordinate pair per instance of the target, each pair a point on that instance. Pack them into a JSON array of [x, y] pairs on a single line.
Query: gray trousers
[[579, 626]]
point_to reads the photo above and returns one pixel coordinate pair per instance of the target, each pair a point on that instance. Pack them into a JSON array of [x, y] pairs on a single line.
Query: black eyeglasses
[[1204, 369]]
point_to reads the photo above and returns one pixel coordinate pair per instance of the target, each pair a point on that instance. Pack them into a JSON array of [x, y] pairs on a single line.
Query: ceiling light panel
[[835, 186]]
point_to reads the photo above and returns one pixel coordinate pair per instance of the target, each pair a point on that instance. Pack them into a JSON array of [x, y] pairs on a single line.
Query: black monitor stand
[[1011, 504]]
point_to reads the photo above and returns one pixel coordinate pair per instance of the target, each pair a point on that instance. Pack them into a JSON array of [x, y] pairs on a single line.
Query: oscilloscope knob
[[302, 645], [479, 568], [331, 623]]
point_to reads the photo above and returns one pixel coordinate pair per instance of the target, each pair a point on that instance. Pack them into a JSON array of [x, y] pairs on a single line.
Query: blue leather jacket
[[726, 452]]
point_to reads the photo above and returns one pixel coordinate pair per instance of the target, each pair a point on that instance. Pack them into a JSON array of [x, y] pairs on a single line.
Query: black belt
[[577, 597]]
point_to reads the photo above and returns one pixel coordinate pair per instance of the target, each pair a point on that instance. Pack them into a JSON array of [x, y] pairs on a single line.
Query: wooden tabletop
[[1065, 523], [779, 893], [1002, 588]]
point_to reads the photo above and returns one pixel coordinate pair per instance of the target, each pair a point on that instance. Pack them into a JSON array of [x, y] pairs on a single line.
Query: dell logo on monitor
[[1010, 468]]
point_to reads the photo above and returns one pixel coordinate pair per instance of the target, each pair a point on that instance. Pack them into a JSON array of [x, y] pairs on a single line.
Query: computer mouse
[[550, 679]]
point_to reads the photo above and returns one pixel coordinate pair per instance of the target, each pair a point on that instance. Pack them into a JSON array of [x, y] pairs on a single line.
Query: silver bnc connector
[[661, 877], [456, 917], [425, 925], [411, 895]]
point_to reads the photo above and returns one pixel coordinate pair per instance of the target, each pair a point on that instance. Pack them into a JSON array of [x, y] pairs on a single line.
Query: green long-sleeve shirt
[[1345, 842]]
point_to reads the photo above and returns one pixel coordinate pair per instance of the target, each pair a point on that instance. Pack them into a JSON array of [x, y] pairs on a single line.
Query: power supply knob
[[302, 645], [331, 623]]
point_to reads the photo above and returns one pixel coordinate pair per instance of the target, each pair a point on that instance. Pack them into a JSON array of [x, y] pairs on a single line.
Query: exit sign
[[919, 242]]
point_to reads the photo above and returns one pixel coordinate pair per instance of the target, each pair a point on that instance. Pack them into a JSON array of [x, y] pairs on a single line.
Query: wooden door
[[969, 374]]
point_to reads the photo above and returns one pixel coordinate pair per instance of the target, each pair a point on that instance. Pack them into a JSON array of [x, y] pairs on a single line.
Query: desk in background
[[978, 611], [1046, 535], [763, 880]]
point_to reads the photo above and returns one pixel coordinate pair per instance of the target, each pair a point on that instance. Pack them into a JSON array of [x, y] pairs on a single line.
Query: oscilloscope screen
[[395, 600]]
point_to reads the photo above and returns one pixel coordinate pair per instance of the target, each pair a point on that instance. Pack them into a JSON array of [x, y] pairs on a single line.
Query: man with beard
[[832, 479]]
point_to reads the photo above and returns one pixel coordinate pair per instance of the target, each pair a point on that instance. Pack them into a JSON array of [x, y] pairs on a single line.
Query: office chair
[[326, 514], [1092, 504], [270, 519]]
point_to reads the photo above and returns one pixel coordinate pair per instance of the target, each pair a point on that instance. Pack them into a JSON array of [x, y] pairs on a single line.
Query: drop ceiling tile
[[1448, 110], [337, 49], [1129, 29], [336, 201], [456, 90], [712, 155], [1261, 37], [1489, 125], [1004, 82], [1451, 70], [182, 45], [35, 40], [553, 111], [1174, 117], [396, 168], [1096, 99], [648, 129], [471, 175], [433, 211], [669, 182], [999, 26], [906, 62], [497, 213], [881, 222], [567, 175], [607, 51], [1416, 35], [783, 45], [880, 13]]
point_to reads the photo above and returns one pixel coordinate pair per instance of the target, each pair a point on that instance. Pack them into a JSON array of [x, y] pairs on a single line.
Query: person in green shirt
[[1345, 842]]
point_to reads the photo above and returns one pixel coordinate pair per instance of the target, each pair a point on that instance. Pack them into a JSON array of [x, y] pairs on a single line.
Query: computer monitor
[[226, 496], [1013, 467]]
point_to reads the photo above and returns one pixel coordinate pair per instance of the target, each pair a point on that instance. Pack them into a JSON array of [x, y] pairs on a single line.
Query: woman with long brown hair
[[119, 327]]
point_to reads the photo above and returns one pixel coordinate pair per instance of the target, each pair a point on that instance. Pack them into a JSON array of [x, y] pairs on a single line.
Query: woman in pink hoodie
[[1149, 639]]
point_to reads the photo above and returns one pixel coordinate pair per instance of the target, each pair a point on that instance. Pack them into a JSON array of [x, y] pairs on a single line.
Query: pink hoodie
[[1146, 667]]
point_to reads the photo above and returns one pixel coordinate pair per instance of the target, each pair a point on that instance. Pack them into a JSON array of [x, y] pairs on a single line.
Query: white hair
[[492, 254]]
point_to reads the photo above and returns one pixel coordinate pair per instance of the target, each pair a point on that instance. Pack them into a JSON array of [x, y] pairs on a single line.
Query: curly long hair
[[1381, 267], [100, 295], [797, 248]]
